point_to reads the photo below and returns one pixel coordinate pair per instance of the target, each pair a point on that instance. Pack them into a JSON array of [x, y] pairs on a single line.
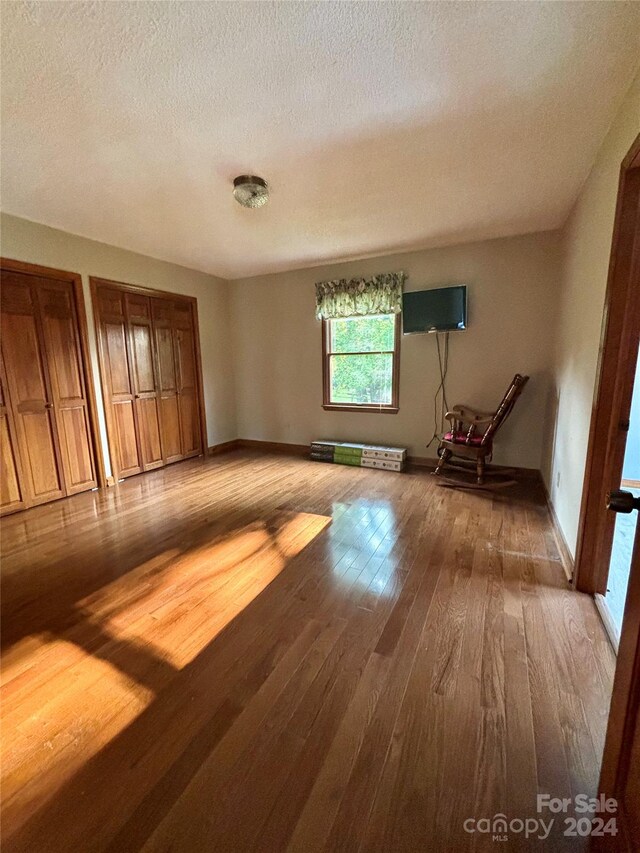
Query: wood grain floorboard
[[261, 653]]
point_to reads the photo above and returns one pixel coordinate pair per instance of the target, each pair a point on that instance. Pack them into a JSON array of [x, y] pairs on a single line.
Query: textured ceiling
[[379, 126]]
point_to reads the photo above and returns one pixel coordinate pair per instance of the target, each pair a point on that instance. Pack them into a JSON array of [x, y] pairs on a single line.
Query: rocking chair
[[472, 433]]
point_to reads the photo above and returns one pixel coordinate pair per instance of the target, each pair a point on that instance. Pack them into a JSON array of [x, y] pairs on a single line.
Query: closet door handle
[[48, 405]]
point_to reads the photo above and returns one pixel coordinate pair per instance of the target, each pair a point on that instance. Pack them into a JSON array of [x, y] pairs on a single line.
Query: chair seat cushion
[[461, 438]]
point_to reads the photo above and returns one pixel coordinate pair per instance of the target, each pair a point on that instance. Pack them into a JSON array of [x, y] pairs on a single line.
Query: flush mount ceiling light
[[250, 191]]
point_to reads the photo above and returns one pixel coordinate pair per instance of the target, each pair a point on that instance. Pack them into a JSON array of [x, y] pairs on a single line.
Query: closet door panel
[[171, 429], [11, 497], [142, 358], [64, 359], [61, 344], [117, 358], [187, 387], [41, 465], [117, 380], [149, 433], [125, 428], [186, 359], [122, 399], [144, 380], [29, 392], [76, 449], [166, 363], [10, 492], [167, 382], [189, 425], [20, 343]]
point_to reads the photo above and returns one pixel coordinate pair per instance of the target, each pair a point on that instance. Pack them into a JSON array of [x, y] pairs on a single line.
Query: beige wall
[[27, 241], [535, 306], [586, 246], [513, 293]]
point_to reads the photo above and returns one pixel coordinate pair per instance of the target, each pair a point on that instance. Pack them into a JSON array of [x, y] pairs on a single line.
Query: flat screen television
[[443, 309]]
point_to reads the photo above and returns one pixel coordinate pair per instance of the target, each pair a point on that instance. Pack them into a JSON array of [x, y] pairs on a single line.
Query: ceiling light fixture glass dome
[[250, 191]]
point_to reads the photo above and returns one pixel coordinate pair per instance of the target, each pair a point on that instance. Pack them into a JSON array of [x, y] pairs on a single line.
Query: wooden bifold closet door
[[150, 370], [46, 438]]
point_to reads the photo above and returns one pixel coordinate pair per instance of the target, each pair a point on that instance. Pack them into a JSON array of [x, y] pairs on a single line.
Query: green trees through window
[[361, 352]]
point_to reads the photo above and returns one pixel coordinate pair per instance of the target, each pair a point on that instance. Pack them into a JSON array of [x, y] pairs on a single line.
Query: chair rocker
[[470, 439]]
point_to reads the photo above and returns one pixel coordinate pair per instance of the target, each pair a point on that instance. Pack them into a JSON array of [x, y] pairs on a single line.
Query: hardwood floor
[[262, 653]]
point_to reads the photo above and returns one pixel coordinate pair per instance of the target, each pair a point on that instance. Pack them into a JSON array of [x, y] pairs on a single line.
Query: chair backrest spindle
[[505, 408]]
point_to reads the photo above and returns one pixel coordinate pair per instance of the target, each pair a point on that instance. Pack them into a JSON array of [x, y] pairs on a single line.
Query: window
[[361, 363]]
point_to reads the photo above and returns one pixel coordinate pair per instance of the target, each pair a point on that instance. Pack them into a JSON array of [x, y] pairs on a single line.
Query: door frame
[[614, 385], [75, 279], [94, 283]]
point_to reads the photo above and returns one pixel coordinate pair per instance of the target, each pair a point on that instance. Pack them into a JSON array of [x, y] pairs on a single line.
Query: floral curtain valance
[[380, 294]]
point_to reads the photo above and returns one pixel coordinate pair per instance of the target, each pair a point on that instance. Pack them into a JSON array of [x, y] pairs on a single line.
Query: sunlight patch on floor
[[127, 642], [222, 581], [56, 728]]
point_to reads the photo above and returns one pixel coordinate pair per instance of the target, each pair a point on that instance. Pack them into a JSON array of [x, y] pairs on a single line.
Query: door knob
[[621, 501], [48, 405]]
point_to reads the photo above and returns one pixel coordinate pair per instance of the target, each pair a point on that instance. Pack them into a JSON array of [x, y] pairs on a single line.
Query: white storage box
[[367, 455], [397, 454], [387, 464]]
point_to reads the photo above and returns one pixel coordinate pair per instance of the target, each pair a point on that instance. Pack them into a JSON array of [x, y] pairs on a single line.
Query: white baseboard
[[566, 556]]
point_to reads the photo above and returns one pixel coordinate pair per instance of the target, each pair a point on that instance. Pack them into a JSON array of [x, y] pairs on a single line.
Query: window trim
[[381, 409]]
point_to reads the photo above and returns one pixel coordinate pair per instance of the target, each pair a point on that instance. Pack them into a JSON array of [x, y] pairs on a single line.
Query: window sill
[[380, 410]]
